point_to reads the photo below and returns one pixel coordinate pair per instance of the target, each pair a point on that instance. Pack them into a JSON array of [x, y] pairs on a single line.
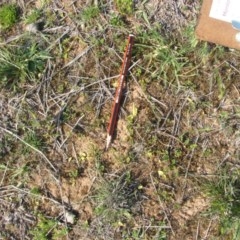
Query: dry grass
[[178, 130]]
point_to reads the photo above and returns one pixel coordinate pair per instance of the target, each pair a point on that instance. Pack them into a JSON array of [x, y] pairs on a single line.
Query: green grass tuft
[[8, 16], [124, 6], [89, 13], [47, 229], [224, 193], [19, 64], [33, 16]]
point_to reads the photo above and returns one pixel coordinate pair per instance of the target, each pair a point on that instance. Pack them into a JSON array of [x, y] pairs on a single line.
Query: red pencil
[[118, 94]]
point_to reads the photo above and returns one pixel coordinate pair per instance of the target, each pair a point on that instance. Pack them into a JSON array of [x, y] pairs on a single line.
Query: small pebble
[[35, 27], [32, 27], [70, 217], [238, 37]]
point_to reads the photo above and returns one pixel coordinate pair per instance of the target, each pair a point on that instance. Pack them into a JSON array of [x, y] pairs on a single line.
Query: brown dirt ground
[[171, 197]]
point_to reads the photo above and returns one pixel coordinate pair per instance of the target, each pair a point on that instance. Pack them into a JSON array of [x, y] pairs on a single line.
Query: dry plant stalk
[[119, 91]]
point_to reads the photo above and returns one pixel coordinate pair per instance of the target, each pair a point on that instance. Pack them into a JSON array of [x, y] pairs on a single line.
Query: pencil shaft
[[119, 91]]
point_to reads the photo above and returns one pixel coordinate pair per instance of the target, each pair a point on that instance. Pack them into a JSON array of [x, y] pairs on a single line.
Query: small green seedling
[[124, 6], [47, 229], [116, 20], [8, 16], [34, 16], [89, 13]]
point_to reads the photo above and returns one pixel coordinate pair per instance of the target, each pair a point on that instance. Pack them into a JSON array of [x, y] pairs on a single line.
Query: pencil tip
[[109, 138]]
